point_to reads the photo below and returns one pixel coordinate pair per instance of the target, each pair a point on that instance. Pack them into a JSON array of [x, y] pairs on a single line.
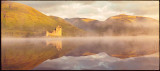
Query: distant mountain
[[119, 25], [131, 25], [83, 23], [23, 21]]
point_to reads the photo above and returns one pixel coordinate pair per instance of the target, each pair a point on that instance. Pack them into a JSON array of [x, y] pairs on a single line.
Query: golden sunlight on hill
[[88, 20]]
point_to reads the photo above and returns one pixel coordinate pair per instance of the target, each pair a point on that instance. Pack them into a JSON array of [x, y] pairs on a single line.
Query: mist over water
[[78, 53]]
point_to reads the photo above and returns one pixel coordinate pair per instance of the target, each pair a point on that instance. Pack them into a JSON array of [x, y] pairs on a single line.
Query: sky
[[99, 10]]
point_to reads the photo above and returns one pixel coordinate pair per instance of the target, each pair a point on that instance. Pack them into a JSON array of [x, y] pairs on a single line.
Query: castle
[[56, 33]]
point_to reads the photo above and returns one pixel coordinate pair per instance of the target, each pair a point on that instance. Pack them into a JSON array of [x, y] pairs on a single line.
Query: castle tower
[[59, 31], [56, 33]]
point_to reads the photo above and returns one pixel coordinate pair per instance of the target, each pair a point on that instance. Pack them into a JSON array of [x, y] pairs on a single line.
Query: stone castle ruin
[[56, 33]]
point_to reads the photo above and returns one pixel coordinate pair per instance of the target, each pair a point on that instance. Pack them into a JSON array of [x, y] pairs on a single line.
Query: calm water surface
[[83, 53]]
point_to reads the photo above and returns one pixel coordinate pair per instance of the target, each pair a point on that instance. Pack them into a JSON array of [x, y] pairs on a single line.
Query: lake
[[81, 53]]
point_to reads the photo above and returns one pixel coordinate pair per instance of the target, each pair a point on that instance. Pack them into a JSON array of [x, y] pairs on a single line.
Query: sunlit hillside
[[88, 20], [20, 20]]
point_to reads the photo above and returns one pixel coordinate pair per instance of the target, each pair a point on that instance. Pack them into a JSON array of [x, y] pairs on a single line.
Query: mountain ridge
[[118, 25]]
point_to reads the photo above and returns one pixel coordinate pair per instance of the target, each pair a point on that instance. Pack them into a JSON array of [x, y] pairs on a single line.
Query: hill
[[24, 21], [83, 23], [131, 25], [119, 25]]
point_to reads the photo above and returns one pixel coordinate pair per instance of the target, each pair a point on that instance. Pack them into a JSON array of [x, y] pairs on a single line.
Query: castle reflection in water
[[55, 43]]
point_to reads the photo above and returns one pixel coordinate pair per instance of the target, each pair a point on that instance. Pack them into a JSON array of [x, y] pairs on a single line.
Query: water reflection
[[101, 61], [121, 48], [56, 43], [27, 54]]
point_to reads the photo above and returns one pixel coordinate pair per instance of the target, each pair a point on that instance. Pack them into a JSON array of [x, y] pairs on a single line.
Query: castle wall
[[56, 33]]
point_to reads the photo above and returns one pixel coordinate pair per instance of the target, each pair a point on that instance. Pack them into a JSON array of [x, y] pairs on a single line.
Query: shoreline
[[83, 38]]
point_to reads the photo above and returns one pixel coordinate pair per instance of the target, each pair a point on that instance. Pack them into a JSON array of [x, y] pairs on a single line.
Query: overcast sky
[[99, 10]]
